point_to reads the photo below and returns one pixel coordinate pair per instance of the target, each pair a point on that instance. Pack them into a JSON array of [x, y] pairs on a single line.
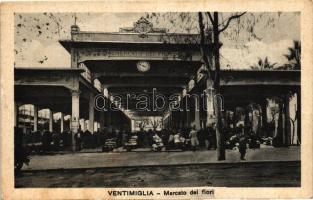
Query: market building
[[148, 61]]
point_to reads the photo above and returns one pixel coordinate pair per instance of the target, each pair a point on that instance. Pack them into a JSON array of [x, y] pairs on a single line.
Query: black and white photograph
[[157, 99], [169, 100]]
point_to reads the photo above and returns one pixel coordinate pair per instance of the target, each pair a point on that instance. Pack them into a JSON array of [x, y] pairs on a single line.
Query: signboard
[[109, 54]]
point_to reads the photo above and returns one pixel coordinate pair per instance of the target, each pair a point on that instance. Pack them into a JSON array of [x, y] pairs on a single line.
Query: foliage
[[294, 56], [263, 64]]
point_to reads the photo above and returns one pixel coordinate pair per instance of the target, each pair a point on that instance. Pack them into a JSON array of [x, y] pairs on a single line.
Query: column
[[35, 118], [197, 114], [16, 112], [298, 115], [70, 122], [109, 121], [187, 117], [264, 113], [132, 122], [62, 123], [75, 116], [181, 117], [174, 119], [50, 120], [280, 132], [102, 120], [171, 120], [209, 102], [83, 124], [96, 126], [287, 120], [91, 113]]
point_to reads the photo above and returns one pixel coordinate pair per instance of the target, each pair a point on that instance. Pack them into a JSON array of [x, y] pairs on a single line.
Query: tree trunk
[[214, 75], [217, 101]]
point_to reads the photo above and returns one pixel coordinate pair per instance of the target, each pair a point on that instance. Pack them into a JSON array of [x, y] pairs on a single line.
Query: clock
[[143, 66]]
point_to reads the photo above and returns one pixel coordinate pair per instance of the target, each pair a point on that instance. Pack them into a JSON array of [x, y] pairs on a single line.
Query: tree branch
[[203, 47], [229, 20], [210, 17]]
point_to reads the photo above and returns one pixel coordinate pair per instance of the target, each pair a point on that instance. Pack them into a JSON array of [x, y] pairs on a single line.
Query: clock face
[[143, 66]]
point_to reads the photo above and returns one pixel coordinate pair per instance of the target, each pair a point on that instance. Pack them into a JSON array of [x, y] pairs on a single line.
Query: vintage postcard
[[156, 99]]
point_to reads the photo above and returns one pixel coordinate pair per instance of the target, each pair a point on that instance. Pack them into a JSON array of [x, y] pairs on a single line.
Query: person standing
[[242, 147], [78, 138], [193, 138], [170, 140], [176, 139], [209, 137]]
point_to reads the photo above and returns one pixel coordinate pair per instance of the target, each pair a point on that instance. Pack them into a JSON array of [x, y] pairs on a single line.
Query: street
[[242, 174]]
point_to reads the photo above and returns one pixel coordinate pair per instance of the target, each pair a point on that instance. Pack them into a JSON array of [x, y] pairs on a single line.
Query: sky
[[256, 35]]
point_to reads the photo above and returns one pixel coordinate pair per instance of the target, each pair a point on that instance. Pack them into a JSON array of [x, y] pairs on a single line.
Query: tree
[[294, 56], [217, 24], [40, 30], [263, 64], [213, 70]]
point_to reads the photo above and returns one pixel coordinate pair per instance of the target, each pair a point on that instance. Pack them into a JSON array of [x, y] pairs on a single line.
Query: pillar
[[132, 125], [187, 117], [280, 132], [287, 120], [109, 113], [50, 120], [171, 120], [35, 118], [95, 126], [83, 124], [298, 115], [209, 94], [91, 113], [75, 116], [197, 114], [62, 123], [16, 112], [70, 122], [102, 120], [264, 113], [109, 119], [181, 119]]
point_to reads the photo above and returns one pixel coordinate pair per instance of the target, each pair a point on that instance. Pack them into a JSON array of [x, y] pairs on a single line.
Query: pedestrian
[[124, 138], [208, 137], [242, 147], [183, 142], [46, 141], [78, 138], [177, 142], [170, 140], [193, 138]]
